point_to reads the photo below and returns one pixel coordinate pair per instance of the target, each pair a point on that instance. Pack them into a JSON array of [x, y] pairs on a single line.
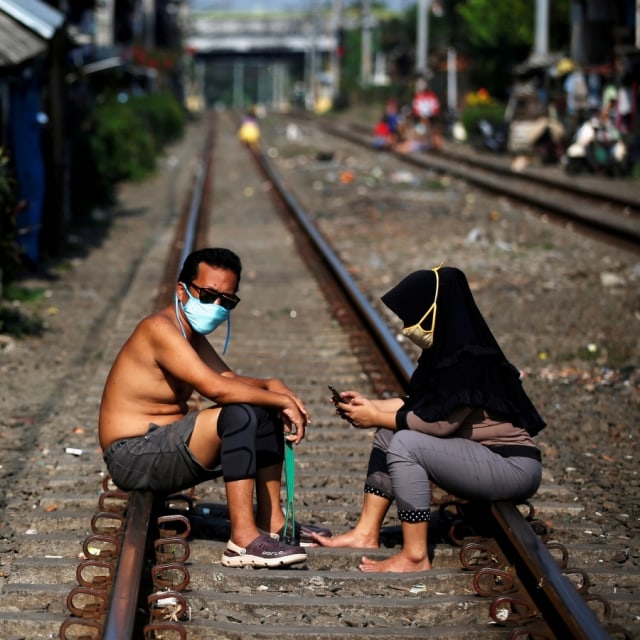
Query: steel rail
[[570, 612], [399, 360], [533, 174], [121, 616]]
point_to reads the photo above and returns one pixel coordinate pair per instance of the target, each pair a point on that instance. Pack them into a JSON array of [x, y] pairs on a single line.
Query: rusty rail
[[120, 619]]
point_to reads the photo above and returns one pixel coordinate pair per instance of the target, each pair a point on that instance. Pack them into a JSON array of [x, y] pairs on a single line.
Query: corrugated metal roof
[[35, 15], [17, 43]]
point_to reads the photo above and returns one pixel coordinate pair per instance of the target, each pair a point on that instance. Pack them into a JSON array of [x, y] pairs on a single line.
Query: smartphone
[[335, 394]]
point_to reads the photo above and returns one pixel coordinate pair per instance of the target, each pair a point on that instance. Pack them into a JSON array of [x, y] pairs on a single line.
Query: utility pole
[[149, 11], [577, 17], [336, 58], [365, 54], [541, 46], [422, 40]]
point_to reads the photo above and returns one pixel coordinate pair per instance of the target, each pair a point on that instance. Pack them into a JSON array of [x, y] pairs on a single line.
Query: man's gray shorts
[[158, 461]]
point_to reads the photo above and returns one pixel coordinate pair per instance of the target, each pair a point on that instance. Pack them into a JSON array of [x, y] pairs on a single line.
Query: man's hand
[[275, 384], [295, 423]]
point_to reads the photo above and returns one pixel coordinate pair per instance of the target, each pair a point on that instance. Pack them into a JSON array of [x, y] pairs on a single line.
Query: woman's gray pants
[[464, 468]]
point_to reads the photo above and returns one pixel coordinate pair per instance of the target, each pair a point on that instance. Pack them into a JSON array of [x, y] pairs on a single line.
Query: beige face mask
[[423, 338]]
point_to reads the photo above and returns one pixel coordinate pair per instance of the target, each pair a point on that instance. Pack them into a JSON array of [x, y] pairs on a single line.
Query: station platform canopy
[[255, 35]]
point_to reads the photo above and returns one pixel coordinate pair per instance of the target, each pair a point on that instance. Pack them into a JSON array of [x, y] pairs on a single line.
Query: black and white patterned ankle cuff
[[376, 492], [414, 515]]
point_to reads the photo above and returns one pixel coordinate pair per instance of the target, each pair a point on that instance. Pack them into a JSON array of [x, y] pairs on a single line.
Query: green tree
[[500, 35], [509, 22]]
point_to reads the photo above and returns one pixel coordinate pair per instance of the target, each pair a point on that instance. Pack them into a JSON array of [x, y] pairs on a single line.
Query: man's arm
[[205, 372], [210, 356]]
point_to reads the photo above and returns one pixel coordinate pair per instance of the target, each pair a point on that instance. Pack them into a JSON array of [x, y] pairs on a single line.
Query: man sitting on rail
[[151, 441]]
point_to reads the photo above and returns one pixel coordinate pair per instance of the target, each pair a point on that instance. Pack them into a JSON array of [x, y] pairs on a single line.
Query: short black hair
[[214, 257]]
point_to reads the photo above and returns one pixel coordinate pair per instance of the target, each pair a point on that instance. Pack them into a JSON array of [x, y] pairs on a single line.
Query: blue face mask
[[203, 318]]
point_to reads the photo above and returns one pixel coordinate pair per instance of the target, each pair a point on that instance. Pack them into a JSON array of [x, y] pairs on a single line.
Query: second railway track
[[581, 200]]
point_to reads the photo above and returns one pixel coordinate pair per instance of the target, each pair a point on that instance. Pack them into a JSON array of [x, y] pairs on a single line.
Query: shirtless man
[[152, 442]]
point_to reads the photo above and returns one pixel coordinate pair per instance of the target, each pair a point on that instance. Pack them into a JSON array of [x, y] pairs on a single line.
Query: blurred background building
[[60, 58]]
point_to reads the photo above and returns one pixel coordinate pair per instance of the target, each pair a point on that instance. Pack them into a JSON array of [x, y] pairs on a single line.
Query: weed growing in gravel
[[13, 321]]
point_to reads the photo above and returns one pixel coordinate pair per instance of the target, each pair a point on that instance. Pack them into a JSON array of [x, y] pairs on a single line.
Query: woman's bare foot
[[397, 564], [353, 539]]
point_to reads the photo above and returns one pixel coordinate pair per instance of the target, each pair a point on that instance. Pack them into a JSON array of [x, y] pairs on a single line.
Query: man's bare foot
[[397, 564], [352, 539]]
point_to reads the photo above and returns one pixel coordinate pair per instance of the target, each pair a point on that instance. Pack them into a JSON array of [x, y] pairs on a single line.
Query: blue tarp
[[28, 163]]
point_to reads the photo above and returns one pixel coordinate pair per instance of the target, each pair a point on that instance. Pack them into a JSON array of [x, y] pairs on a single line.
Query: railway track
[[328, 599]]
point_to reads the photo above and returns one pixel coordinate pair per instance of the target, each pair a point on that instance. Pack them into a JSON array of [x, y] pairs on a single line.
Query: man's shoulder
[[155, 324]]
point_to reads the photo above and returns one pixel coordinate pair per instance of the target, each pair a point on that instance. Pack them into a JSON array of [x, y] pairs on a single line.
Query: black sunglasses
[[209, 296]]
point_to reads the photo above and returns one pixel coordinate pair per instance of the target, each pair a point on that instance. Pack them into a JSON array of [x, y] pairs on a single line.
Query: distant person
[[150, 439], [382, 136], [393, 118], [249, 130], [466, 423], [577, 94], [420, 135], [425, 103], [425, 108]]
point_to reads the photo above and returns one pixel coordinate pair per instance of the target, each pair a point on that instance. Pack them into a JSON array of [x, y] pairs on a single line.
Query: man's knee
[[235, 419]]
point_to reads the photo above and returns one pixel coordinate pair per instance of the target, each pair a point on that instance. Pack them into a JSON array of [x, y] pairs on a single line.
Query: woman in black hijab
[[466, 423]]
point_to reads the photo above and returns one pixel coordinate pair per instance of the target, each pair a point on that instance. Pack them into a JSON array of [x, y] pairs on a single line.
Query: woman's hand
[[358, 410], [363, 413]]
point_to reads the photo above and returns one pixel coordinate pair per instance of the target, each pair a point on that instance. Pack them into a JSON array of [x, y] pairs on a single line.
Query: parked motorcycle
[[491, 136]]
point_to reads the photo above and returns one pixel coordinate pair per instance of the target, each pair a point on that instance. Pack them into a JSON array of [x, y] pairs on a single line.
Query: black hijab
[[465, 366]]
